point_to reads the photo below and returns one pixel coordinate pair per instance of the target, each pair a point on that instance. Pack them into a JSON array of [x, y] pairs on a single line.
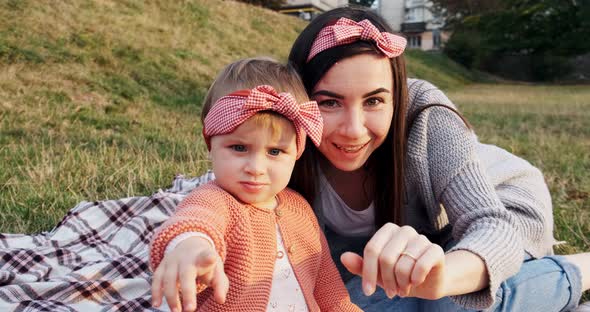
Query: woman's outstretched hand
[[194, 259], [402, 262]]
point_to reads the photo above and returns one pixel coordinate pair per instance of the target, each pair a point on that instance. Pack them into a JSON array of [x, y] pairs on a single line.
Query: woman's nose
[[353, 124]]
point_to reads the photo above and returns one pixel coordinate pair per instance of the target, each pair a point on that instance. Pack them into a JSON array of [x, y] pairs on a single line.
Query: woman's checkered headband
[[347, 31]]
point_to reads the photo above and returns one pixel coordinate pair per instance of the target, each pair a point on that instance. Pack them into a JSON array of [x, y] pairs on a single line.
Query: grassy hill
[[100, 99]]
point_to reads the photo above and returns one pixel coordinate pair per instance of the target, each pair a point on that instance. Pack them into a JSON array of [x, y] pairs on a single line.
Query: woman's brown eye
[[374, 101], [328, 103]]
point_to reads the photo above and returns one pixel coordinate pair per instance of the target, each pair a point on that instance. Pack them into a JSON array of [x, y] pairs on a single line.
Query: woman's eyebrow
[[327, 93], [376, 92], [338, 96]]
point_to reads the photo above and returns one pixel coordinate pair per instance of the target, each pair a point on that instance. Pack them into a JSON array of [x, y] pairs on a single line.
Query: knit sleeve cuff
[[491, 243], [483, 226], [184, 236], [183, 225]]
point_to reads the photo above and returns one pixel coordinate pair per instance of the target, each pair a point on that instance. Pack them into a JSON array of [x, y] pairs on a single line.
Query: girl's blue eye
[[274, 152], [238, 148]]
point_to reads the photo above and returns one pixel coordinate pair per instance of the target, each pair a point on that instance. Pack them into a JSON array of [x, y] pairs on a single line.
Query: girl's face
[[253, 164], [356, 101]]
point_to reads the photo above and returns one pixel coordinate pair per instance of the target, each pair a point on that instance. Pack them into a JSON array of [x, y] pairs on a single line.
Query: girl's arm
[[204, 210], [330, 292]]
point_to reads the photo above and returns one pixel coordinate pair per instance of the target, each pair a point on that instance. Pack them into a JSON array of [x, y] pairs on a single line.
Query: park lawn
[[100, 99], [50, 159]]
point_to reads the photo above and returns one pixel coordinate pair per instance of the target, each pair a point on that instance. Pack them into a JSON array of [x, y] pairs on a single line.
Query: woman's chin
[[348, 165], [346, 161]]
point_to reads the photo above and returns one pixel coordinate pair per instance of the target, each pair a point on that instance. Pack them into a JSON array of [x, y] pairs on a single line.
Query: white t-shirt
[[338, 216]]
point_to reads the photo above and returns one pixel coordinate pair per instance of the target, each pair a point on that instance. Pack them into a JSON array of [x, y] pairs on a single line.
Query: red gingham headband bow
[[232, 110], [347, 31]]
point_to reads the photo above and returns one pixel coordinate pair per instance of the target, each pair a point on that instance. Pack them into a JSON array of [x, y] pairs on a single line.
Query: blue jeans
[[547, 284]]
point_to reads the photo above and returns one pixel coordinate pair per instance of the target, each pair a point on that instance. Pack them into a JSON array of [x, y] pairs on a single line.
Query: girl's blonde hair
[[252, 72]]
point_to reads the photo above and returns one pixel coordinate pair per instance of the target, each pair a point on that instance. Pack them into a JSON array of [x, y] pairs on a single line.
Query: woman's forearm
[[465, 273]]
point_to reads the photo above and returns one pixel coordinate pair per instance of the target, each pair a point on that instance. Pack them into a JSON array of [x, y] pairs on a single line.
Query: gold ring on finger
[[405, 253]]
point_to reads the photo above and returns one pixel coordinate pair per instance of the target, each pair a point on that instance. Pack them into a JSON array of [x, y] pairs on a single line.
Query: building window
[[415, 41], [414, 15], [436, 40]]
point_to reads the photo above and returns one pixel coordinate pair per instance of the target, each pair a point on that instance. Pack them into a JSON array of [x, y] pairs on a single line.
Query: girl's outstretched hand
[[402, 262], [194, 259]]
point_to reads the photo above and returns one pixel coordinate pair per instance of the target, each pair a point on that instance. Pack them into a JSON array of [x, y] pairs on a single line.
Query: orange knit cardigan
[[245, 238]]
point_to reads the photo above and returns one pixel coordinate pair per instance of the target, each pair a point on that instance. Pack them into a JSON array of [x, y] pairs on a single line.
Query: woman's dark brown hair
[[386, 164]]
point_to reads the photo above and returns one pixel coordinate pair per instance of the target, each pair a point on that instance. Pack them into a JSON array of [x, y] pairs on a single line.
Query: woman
[[395, 152]]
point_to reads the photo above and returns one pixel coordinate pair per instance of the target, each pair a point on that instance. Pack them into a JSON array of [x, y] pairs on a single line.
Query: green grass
[[440, 70], [101, 99], [550, 127]]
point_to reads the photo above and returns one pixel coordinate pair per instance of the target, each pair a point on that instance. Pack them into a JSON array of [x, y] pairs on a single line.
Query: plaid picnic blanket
[[95, 259]]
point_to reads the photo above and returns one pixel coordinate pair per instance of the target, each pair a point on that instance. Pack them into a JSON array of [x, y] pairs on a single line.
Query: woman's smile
[[350, 149]]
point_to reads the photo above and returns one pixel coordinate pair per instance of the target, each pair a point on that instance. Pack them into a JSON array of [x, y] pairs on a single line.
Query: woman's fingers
[[389, 258], [352, 262], [434, 256], [396, 258], [407, 261], [372, 252]]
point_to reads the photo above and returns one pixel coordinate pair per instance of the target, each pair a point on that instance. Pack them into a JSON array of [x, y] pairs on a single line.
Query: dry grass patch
[[550, 127]]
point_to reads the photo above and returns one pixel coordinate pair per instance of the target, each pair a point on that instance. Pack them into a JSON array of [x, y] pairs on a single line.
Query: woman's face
[[356, 101]]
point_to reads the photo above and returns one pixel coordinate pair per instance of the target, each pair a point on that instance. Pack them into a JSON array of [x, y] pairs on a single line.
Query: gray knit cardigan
[[487, 200]]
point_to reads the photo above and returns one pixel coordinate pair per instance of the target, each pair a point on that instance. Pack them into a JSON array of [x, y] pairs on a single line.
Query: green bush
[[547, 67], [464, 47]]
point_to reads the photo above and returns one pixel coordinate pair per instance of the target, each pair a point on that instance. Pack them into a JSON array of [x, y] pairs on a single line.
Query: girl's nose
[[255, 165]]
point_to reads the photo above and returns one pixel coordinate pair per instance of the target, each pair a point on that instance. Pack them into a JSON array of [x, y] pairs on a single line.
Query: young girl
[[249, 242]]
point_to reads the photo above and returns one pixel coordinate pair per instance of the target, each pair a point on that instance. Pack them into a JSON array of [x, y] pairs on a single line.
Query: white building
[[416, 20], [308, 9]]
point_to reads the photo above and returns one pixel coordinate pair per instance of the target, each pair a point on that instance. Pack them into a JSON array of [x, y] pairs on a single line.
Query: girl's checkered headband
[[234, 109]]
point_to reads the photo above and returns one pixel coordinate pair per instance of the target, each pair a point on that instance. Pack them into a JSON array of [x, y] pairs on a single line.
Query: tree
[[454, 10], [547, 32]]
